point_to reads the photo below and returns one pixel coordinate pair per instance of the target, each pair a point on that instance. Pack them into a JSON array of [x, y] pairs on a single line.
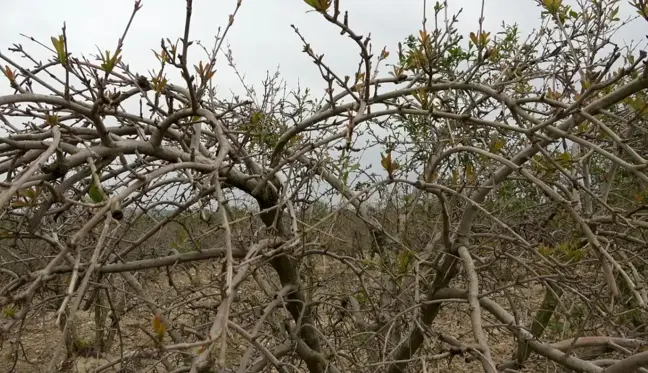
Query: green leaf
[[319, 5], [497, 143], [296, 139], [576, 255], [471, 176], [564, 159], [545, 250], [109, 62], [404, 259], [52, 120], [473, 38], [362, 297], [159, 84], [9, 311], [59, 46], [552, 6], [96, 193], [256, 118], [312, 3], [29, 193]]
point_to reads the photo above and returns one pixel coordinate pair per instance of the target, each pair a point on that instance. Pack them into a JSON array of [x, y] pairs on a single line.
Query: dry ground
[[189, 307], [40, 335]]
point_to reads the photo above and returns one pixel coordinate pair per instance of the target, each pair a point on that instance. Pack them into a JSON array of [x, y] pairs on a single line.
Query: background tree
[[161, 226]]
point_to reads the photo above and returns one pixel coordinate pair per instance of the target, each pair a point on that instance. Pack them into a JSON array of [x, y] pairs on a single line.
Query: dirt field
[[39, 335]]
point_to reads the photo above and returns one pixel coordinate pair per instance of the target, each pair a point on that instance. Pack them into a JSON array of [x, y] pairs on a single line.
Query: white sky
[[261, 37]]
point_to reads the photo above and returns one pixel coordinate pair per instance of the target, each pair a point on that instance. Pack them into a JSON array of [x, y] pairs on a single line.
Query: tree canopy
[[504, 222]]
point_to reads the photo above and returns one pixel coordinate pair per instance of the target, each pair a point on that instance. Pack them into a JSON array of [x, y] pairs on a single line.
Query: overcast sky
[[261, 37]]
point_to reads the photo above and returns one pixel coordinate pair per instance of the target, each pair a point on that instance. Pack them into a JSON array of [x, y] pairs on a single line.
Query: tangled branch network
[[159, 226]]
